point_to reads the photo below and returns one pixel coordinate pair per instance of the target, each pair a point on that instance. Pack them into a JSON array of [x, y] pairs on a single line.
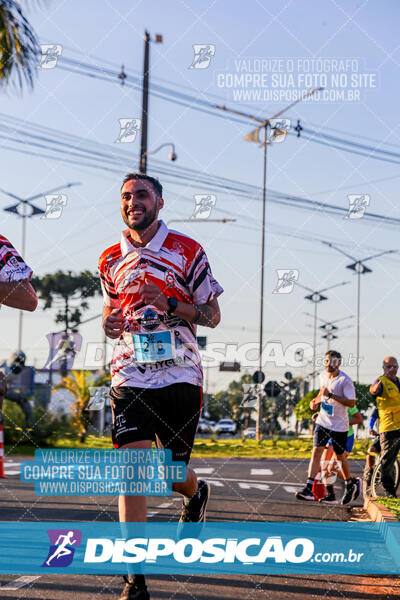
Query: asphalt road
[[241, 490]]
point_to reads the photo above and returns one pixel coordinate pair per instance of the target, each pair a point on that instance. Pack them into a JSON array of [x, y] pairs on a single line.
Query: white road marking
[[261, 472], [165, 505], [257, 486], [252, 481], [291, 489], [215, 482], [204, 471], [20, 582]]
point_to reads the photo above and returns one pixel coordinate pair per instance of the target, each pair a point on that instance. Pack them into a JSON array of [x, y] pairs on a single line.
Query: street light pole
[[260, 390], [253, 137], [316, 297], [145, 100], [359, 268]]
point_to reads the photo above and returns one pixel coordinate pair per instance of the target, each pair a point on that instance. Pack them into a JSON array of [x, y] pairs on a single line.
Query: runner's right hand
[[114, 324]]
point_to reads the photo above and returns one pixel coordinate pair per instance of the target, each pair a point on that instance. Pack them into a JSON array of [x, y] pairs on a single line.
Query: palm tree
[[78, 384], [19, 45]]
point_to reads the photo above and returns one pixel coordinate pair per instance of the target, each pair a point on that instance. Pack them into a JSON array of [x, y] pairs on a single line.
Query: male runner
[[330, 465], [157, 286], [15, 289], [336, 394], [386, 391]]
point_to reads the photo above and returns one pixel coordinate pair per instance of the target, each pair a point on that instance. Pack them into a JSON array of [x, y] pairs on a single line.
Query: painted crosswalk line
[[257, 486], [204, 470], [261, 472], [20, 582]]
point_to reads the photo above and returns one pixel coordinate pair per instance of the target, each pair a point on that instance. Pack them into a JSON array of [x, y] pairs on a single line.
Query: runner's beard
[[147, 220]]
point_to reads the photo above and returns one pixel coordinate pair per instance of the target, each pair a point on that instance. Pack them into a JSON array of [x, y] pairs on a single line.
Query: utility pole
[[253, 136], [360, 269], [316, 297], [145, 100]]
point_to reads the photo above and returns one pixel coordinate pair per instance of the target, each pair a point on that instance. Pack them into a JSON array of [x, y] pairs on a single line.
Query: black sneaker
[[390, 494], [329, 499], [348, 493], [357, 487], [305, 494], [194, 509], [133, 592]]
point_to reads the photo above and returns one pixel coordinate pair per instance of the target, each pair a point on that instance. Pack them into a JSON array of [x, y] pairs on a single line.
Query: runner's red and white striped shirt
[[12, 265], [178, 265]]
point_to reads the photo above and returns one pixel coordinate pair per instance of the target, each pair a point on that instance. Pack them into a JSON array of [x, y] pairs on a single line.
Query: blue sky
[[111, 34]]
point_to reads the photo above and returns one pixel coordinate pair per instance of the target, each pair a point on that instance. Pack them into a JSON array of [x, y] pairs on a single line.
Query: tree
[[303, 411], [364, 398], [19, 45], [71, 289], [78, 384]]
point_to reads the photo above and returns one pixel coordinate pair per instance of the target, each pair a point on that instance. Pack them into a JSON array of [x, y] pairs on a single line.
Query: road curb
[[378, 512]]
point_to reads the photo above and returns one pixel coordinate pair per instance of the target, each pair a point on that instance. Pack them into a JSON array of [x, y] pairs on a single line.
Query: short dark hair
[[334, 354], [154, 182]]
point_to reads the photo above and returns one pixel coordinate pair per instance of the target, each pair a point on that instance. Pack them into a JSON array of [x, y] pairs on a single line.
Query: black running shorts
[[171, 413], [322, 436]]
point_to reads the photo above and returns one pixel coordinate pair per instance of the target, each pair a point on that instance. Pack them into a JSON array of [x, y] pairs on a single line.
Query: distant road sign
[[272, 389], [258, 377], [229, 366]]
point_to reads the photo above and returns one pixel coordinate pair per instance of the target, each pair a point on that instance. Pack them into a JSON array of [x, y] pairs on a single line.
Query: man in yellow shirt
[[386, 391]]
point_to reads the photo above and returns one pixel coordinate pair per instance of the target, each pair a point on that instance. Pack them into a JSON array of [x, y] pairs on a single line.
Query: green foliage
[[227, 403], [73, 289], [19, 45], [364, 398], [78, 384], [46, 427], [302, 409]]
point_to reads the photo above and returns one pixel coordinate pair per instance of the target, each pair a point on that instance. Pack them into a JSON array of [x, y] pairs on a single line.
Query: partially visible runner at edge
[[15, 289], [386, 391], [156, 281]]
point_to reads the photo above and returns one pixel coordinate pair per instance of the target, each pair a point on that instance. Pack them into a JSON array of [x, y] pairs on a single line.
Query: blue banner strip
[[211, 548]]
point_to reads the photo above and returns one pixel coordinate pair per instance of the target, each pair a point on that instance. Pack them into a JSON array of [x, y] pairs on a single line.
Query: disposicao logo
[[62, 547]]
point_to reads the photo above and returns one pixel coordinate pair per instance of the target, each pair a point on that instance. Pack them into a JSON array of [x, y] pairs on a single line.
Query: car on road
[[225, 426], [250, 433], [204, 426]]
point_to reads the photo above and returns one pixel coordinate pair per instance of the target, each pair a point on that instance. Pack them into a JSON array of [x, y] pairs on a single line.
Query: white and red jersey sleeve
[[199, 278], [110, 295], [12, 265]]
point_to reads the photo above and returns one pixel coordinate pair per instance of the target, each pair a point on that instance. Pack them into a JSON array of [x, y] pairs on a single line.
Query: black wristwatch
[[330, 395], [172, 303]]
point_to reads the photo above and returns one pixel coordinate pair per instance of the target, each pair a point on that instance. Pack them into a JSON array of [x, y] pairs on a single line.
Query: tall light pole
[[253, 136], [316, 297], [25, 209], [145, 99], [360, 269], [172, 155]]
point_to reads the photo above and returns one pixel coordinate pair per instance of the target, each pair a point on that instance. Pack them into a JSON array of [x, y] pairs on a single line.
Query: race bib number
[[327, 408], [152, 347]]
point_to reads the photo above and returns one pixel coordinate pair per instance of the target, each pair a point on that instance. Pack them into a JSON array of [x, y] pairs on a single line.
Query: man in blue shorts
[[336, 395], [328, 466]]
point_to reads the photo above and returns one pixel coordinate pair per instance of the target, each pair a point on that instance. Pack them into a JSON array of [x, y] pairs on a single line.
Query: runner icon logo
[[61, 551]]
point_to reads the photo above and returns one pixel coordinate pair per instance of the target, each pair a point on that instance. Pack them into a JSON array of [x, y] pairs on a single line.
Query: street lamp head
[[172, 156]]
